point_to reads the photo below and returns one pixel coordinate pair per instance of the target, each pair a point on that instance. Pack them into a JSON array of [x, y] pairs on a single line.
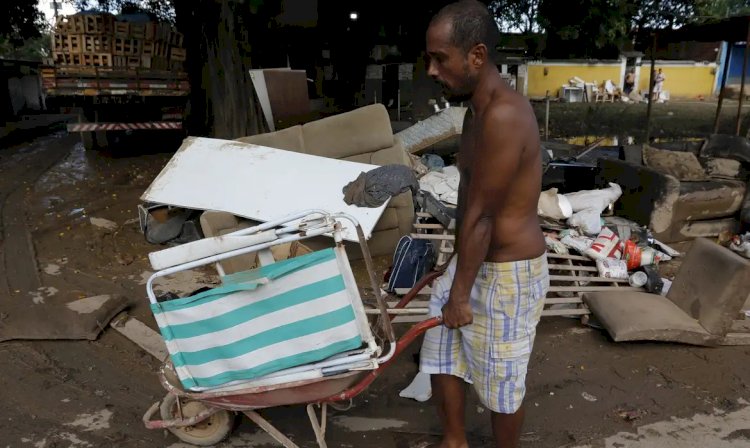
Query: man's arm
[[496, 158]]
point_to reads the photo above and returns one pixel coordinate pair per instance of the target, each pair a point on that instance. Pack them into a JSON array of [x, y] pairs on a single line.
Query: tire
[[209, 432]]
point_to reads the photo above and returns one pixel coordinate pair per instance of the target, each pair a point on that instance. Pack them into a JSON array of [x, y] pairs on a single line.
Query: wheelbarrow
[[209, 331]]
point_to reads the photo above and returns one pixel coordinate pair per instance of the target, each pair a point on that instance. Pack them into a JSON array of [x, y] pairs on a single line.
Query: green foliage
[[516, 15], [584, 28], [722, 8], [22, 31], [163, 10]]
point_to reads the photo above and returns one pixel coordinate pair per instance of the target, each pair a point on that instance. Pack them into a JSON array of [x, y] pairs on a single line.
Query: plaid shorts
[[492, 353]]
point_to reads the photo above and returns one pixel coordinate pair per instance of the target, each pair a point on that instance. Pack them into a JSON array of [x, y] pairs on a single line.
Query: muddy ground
[[582, 387]]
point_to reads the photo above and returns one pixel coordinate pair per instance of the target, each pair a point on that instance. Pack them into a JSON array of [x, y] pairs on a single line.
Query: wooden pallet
[[97, 59], [127, 47], [176, 39], [68, 58], [97, 44], [570, 275], [432, 230], [74, 43], [138, 30], [59, 43], [177, 54], [98, 24], [71, 24], [122, 30]]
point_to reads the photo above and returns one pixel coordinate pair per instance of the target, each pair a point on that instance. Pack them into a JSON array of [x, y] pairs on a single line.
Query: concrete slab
[[716, 430]]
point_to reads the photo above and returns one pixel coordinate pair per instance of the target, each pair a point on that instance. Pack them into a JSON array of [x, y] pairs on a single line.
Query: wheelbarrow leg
[[318, 427], [270, 429]]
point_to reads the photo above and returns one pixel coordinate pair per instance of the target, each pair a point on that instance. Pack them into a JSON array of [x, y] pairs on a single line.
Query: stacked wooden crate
[[102, 41]]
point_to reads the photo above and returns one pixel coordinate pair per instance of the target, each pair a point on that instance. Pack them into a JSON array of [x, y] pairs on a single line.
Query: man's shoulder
[[509, 110]]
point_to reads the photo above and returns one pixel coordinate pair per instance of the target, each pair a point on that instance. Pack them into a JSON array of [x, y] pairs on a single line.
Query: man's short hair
[[471, 24]]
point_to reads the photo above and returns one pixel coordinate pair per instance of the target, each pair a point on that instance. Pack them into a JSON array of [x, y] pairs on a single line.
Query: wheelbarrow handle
[[402, 343]]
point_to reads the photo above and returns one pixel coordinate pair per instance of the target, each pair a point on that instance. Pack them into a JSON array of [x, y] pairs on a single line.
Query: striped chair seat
[[287, 314]]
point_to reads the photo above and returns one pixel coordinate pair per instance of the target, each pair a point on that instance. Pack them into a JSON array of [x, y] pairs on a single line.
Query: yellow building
[[548, 77], [684, 79]]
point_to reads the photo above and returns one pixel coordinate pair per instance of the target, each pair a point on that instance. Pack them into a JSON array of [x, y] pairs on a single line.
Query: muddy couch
[[675, 210], [362, 135]]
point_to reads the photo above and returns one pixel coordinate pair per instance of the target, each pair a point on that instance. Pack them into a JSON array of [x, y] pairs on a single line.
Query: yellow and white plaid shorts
[[492, 353]]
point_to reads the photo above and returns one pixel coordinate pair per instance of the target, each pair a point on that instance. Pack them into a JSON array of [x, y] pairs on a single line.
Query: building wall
[[735, 64], [684, 80], [560, 73]]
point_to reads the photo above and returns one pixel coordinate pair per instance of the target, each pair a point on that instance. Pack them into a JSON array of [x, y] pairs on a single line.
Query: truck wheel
[[209, 432]]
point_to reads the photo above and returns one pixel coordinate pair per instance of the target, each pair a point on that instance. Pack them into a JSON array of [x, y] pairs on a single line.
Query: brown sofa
[[674, 210], [362, 135]]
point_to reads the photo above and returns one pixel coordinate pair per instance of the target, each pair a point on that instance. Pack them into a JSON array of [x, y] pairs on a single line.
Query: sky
[[46, 7]]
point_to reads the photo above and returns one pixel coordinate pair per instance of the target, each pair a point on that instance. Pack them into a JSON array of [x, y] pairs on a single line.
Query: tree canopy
[[598, 28], [22, 30]]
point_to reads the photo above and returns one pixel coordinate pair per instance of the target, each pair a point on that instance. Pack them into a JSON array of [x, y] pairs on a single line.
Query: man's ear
[[478, 55]]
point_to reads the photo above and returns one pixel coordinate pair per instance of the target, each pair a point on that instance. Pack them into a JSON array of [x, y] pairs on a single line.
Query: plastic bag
[[594, 199], [587, 220], [612, 268], [553, 205], [606, 245]]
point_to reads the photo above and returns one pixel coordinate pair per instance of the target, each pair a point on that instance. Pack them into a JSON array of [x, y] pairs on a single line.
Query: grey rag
[[373, 188]]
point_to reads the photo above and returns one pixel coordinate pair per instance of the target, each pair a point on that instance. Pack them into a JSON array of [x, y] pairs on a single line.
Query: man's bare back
[[515, 231]]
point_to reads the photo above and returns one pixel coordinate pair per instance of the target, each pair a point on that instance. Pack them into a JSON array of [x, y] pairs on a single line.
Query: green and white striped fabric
[[283, 315]]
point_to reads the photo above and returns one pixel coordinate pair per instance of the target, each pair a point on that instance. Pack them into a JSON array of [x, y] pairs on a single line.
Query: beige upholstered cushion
[[392, 155], [289, 139], [360, 158], [359, 131]]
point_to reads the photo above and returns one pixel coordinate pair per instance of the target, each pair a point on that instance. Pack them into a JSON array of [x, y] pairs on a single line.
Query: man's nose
[[431, 70]]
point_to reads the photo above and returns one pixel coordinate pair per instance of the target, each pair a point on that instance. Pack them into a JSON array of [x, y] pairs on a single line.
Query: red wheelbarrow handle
[[402, 343]]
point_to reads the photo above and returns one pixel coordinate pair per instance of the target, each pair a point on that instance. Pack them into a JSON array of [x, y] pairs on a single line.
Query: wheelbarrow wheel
[[208, 432]]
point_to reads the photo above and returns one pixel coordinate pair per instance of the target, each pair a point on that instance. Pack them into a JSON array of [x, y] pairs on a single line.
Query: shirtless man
[[492, 293]]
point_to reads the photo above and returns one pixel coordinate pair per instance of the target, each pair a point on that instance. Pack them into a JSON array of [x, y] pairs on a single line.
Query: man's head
[[460, 39]]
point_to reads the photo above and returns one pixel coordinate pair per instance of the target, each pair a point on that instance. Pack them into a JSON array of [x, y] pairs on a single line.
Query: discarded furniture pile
[[610, 217]]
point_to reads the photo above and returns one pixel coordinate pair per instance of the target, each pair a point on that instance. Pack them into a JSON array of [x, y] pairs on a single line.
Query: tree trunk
[[222, 103]]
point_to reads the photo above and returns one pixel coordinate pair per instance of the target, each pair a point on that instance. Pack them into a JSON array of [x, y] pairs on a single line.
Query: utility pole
[[55, 5]]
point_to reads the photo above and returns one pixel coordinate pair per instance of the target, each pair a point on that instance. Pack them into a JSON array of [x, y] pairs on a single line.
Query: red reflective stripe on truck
[[88, 127]]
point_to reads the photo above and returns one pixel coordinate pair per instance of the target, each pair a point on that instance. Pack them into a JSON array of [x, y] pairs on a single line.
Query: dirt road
[[582, 388]]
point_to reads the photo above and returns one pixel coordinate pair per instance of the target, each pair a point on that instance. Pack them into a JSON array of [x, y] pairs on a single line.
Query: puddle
[[49, 202], [617, 140], [585, 140], [73, 169]]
